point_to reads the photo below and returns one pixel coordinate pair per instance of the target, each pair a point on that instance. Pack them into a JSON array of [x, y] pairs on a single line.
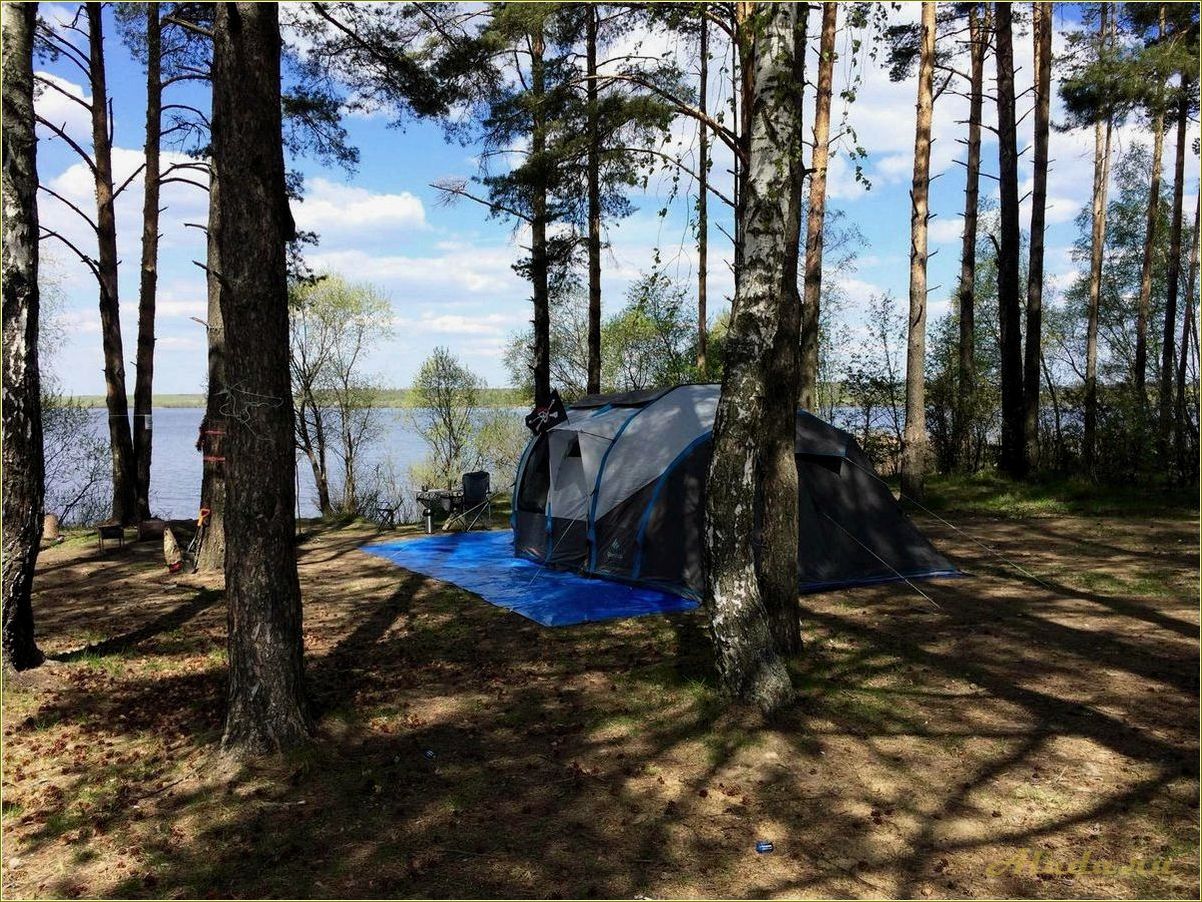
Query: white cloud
[[945, 231], [333, 209], [53, 102], [494, 324], [450, 275]]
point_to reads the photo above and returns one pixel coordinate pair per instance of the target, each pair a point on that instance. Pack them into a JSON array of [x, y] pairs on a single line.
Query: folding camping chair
[[474, 504]]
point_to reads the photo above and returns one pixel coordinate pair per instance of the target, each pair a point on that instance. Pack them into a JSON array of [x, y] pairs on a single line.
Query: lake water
[[176, 468]]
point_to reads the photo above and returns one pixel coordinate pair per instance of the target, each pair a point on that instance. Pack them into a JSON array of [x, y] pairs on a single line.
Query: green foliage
[[873, 383], [650, 342], [1125, 423], [333, 325], [460, 433]]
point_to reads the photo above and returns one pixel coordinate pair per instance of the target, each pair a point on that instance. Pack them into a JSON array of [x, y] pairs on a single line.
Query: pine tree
[[266, 701]]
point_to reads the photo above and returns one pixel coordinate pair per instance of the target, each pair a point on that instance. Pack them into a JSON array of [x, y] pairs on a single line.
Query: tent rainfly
[[617, 491]]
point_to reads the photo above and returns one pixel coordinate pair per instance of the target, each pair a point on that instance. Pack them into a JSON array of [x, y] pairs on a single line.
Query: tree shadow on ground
[[466, 752]]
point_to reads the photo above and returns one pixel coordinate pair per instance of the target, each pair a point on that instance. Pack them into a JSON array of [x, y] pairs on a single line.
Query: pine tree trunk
[[1186, 462], [703, 165], [811, 310], [1013, 455], [267, 710], [778, 457], [594, 213], [1101, 181], [1140, 375], [144, 380], [1042, 23], [121, 446], [1173, 279], [539, 263], [914, 446], [22, 413], [211, 556], [978, 31], [747, 660]]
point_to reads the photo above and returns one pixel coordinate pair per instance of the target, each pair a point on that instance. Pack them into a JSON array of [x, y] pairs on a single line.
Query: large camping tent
[[617, 490]]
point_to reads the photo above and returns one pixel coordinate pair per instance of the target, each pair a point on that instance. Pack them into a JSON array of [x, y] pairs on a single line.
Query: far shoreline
[[389, 398]]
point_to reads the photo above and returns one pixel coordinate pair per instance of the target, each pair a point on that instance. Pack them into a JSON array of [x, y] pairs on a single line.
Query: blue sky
[[446, 270]]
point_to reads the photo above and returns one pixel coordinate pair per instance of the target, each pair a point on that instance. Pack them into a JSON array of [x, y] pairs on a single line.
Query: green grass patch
[[997, 495]]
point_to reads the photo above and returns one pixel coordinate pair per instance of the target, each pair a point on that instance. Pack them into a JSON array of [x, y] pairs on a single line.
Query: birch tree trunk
[[121, 446], [1042, 27], [1013, 454], [914, 446], [1173, 278], [778, 570], [1097, 238], [594, 211], [1140, 376], [811, 309], [703, 224], [979, 34], [747, 659], [22, 408], [144, 378], [267, 710]]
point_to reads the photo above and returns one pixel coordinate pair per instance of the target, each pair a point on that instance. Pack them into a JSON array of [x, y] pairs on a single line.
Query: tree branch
[[50, 84], [185, 181], [451, 191], [188, 26], [87, 261], [717, 127], [84, 216], [132, 176], [61, 132]]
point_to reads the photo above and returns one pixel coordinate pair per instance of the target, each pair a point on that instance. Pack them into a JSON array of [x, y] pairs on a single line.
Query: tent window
[[536, 479]]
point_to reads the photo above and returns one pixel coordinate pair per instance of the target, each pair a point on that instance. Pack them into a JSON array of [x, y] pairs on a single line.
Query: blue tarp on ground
[[484, 563]]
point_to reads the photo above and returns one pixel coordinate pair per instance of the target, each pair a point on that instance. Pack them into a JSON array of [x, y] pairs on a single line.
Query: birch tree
[[22, 413], [748, 426]]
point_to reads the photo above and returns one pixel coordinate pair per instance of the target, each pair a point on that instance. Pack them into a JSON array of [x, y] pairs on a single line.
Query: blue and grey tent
[[618, 491]]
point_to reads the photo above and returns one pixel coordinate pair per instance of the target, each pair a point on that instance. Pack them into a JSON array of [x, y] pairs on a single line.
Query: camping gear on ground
[[386, 515], [172, 556], [110, 532], [482, 562], [464, 507], [618, 490], [192, 554]]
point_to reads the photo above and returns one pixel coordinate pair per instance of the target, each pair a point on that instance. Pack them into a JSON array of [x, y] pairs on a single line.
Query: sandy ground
[[1034, 736]]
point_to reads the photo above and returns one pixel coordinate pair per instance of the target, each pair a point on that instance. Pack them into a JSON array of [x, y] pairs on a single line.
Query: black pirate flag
[[541, 419]]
